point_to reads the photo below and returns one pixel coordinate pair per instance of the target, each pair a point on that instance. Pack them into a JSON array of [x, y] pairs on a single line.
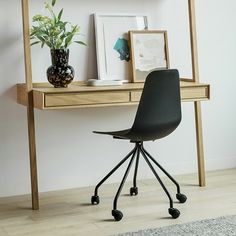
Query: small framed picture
[[149, 51], [112, 44]]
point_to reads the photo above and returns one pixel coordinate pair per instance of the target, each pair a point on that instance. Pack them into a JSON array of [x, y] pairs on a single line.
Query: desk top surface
[[80, 86]]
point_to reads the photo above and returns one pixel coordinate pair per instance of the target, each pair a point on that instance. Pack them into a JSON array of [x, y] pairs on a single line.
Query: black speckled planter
[[60, 74]]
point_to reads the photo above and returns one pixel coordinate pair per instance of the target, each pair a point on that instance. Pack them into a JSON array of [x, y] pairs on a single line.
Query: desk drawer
[[75, 99], [187, 94], [194, 93]]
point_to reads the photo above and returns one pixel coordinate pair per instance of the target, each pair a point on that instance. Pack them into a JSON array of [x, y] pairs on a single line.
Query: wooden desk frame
[[32, 89]]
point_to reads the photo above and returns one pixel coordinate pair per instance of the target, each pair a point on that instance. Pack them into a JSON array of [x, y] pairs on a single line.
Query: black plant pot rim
[[60, 49]]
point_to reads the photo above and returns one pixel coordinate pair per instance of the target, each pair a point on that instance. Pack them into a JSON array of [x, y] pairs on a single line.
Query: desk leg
[[32, 152], [199, 140]]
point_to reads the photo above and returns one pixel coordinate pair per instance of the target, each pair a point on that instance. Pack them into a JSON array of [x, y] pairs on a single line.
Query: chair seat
[[141, 135], [121, 134]]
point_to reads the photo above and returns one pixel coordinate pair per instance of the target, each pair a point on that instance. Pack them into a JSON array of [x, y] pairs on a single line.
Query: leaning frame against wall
[[30, 99]]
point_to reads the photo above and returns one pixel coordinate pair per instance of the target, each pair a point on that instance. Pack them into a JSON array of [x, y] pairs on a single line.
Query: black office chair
[[158, 115]]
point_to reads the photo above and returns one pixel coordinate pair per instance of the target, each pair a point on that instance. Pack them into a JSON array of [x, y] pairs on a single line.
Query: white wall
[[69, 155]]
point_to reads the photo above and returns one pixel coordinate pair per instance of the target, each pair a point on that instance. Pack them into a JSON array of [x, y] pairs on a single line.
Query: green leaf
[[54, 17], [40, 35], [53, 2], [59, 44], [35, 43], [60, 14], [82, 43], [40, 38], [68, 40], [75, 29], [49, 44]]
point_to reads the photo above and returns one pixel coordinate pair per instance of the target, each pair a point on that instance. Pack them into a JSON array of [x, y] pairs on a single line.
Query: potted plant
[[58, 35]]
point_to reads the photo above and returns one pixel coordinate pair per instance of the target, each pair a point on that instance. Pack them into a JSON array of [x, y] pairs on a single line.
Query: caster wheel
[[133, 191], [118, 215], [95, 200], [174, 212], [181, 197]]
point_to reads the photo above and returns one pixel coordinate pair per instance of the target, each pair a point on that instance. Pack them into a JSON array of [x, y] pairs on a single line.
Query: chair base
[[135, 153]]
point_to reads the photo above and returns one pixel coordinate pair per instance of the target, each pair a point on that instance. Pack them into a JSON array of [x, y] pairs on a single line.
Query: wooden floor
[[70, 213]]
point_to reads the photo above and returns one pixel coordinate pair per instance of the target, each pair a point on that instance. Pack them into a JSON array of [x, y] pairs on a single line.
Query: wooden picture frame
[[149, 51]]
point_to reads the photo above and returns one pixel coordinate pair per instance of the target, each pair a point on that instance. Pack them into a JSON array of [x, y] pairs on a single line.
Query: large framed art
[[149, 51], [112, 44]]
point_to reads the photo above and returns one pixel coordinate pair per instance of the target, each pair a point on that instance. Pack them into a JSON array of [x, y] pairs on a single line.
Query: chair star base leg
[[117, 214]]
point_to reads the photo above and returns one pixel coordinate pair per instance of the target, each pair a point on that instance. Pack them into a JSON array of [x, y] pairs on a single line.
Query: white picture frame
[[112, 40]]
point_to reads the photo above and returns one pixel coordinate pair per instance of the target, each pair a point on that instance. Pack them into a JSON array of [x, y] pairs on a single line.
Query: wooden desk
[[79, 95]]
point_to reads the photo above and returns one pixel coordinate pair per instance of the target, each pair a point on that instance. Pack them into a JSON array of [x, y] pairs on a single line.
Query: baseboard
[[188, 167], [173, 167]]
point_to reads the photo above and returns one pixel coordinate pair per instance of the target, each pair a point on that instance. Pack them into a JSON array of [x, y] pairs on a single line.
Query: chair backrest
[[160, 104]]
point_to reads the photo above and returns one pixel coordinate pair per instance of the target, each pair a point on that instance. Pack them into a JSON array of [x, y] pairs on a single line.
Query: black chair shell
[[159, 110]]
